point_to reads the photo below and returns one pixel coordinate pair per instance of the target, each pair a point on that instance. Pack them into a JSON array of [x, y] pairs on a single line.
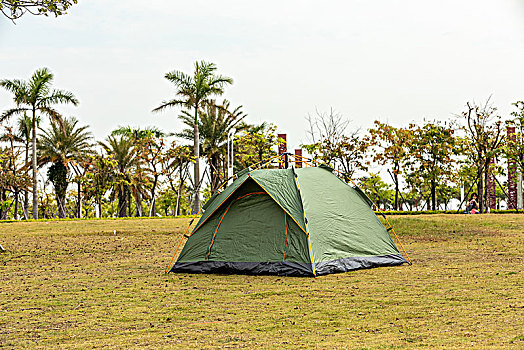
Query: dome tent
[[297, 222]]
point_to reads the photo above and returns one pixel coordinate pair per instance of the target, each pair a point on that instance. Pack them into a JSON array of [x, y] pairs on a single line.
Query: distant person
[[473, 205]]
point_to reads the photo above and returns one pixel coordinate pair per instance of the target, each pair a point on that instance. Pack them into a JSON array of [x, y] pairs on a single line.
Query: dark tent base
[[288, 268], [283, 268], [356, 263]]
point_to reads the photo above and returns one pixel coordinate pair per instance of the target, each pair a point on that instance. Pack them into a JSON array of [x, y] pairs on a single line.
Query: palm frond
[[170, 104], [219, 81], [52, 113], [39, 83], [180, 79], [11, 112], [24, 125], [13, 86], [58, 97]]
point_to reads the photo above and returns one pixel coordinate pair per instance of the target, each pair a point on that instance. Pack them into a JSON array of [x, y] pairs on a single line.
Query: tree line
[[149, 172], [427, 162]]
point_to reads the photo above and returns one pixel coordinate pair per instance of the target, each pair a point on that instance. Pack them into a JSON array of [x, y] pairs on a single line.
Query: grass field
[[75, 284]]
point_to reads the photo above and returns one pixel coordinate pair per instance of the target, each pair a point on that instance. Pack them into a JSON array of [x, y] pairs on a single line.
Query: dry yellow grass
[[74, 284]]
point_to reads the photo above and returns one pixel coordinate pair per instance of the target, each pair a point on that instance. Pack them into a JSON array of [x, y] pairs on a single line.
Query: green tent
[[297, 222]]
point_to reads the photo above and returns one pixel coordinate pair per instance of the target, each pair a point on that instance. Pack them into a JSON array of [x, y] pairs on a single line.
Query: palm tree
[[138, 133], [24, 127], [176, 159], [63, 145], [192, 93], [36, 96], [216, 123], [129, 178], [150, 142], [14, 179]]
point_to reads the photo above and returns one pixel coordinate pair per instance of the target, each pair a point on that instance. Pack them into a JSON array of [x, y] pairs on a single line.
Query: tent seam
[[295, 175], [285, 235]]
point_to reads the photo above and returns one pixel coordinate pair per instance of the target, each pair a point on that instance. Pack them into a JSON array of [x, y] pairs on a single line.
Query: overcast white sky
[[396, 61]]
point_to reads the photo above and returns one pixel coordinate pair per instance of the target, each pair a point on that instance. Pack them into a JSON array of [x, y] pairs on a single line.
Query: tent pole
[[181, 239]]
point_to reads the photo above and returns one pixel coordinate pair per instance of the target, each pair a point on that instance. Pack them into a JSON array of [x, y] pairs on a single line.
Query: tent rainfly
[[295, 222]]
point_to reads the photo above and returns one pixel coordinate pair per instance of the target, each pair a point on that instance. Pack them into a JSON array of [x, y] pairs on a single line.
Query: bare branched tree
[[327, 126], [330, 142]]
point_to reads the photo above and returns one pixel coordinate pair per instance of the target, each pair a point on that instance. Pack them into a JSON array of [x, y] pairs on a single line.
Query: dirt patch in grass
[[77, 284]]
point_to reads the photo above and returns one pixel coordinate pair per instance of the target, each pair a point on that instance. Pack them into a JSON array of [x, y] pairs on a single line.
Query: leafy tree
[[483, 138], [418, 190], [377, 190], [5, 181], [166, 201], [193, 92], [446, 192], [254, 144], [151, 150], [215, 124], [35, 96], [99, 177], [431, 151], [14, 9], [411, 194], [62, 145], [47, 200], [13, 175], [391, 147]]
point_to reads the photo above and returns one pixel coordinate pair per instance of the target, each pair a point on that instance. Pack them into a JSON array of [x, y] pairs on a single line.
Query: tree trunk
[[196, 153], [3, 197], [152, 210], [178, 193], [100, 208], [214, 173], [433, 195], [35, 189], [128, 198], [486, 185], [480, 190], [26, 192], [79, 206], [138, 204], [396, 190], [122, 202], [60, 201], [15, 214]]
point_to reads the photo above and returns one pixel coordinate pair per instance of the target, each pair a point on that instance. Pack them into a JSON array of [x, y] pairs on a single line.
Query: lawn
[[77, 284]]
